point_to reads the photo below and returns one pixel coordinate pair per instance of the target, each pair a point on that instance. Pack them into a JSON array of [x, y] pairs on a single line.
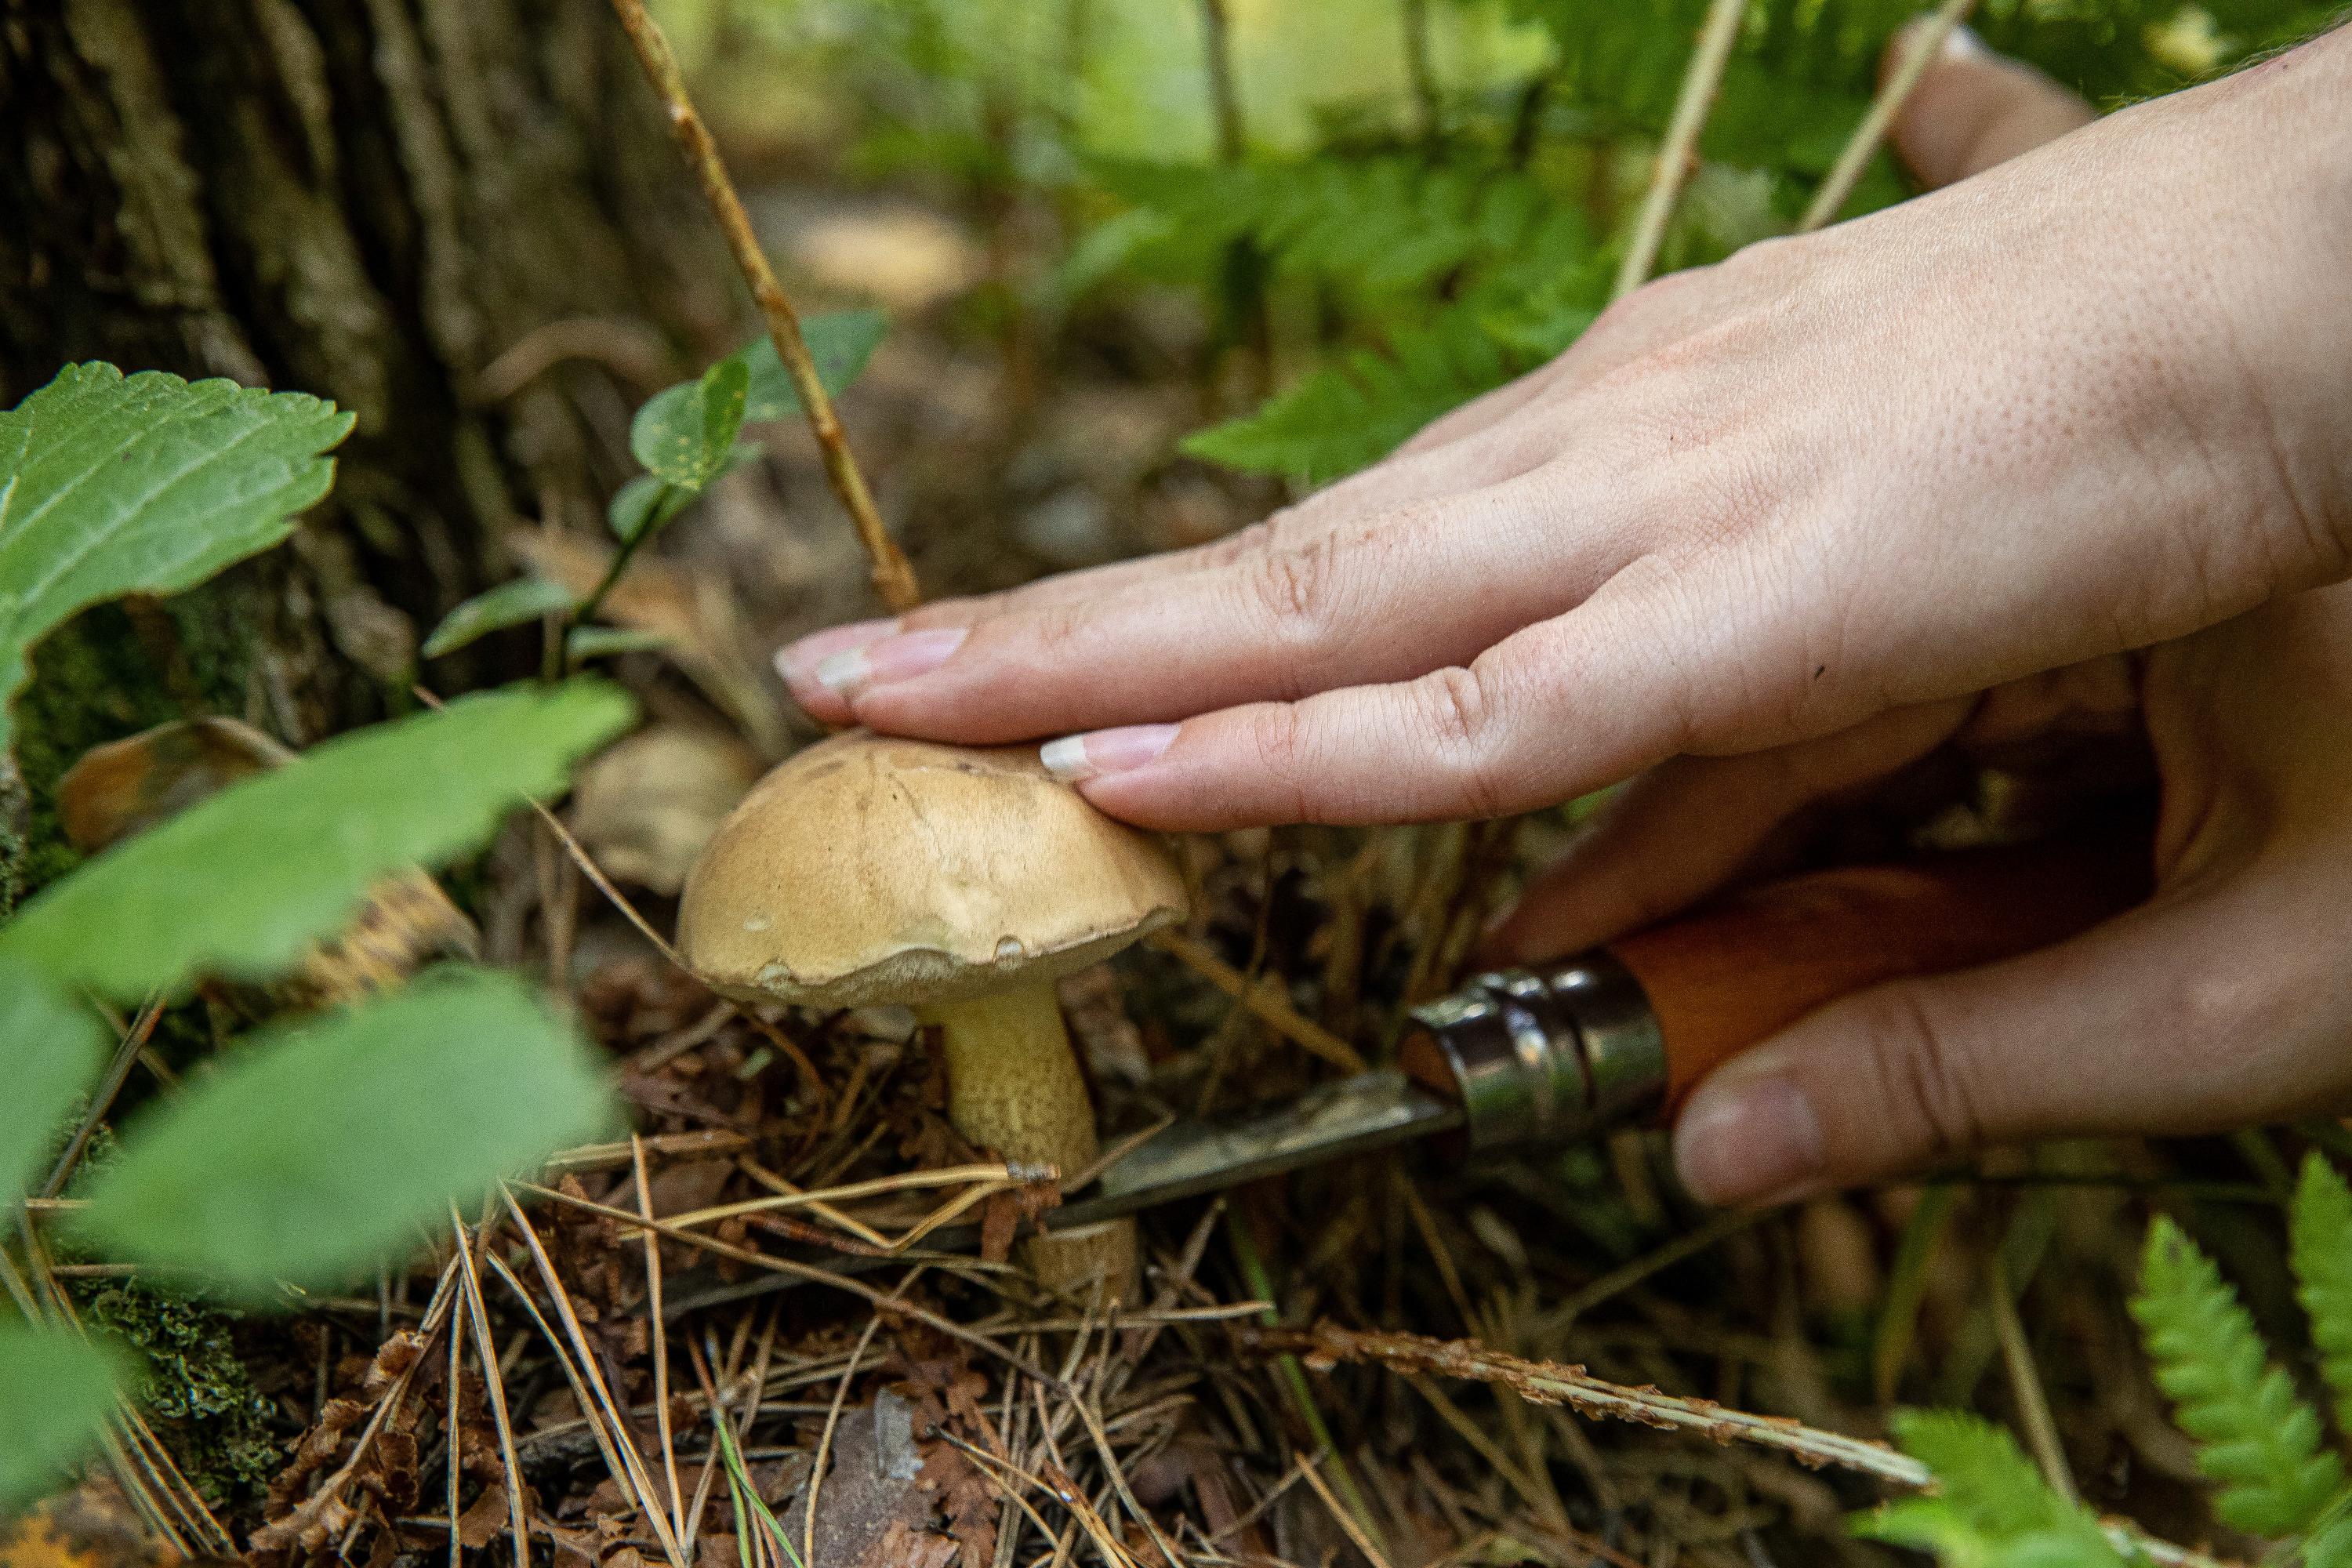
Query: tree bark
[[407, 205], [460, 219]]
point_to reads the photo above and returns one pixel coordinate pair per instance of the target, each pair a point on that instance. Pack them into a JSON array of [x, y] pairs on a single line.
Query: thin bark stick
[[1927, 41], [894, 579], [1675, 155]]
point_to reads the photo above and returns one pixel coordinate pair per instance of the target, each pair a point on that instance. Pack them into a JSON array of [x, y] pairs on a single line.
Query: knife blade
[[1352, 1115]]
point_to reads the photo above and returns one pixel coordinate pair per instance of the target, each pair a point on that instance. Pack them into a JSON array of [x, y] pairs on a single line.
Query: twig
[[1675, 154], [116, 1071], [1926, 43], [1262, 998], [894, 579], [1552, 1383]]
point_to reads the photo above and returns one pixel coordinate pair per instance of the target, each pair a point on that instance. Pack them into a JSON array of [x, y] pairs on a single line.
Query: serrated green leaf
[[57, 1389], [646, 503], [602, 642], [319, 1147], [671, 435], [2320, 1230], [147, 484], [54, 1052], [1991, 1505], [1357, 410], [495, 610], [240, 883], [2330, 1546], [2254, 1436]]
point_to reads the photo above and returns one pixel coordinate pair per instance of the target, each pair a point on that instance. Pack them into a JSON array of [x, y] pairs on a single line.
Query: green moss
[[195, 1391]]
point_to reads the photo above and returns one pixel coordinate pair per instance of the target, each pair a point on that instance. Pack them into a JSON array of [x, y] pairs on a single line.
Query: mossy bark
[[460, 219]]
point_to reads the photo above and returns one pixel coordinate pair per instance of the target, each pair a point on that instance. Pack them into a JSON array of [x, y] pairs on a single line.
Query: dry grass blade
[[796, 1197], [1927, 41], [1262, 998], [805, 1271], [639, 1483], [660, 1342], [833, 1422], [493, 1380], [1551, 1382], [589, 1414], [101, 1100], [1677, 154], [1311, 1470]]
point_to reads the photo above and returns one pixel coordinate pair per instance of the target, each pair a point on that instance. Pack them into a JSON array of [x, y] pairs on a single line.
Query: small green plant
[[687, 437], [2261, 1444], [321, 1143]]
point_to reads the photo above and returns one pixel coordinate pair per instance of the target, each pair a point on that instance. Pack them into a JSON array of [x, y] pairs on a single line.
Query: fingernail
[[901, 657], [1074, 758], [1749, 1142], [796, 659]]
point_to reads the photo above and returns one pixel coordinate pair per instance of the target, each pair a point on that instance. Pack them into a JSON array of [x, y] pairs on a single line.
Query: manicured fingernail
[[901, 657], [1751, 1140], [1074, 758]]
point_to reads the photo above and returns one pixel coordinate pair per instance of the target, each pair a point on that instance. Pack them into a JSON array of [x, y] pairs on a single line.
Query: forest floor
[[931, 1407]]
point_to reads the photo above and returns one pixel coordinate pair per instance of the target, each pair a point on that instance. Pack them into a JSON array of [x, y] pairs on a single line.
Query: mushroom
[[960, 881]]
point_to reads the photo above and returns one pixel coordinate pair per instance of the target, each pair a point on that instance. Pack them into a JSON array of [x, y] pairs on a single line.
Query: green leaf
[[600, 642], [1356, 410], [53, 1053], [2254, 1436], [1991, 1505], [685, 439], [241, 882], [672, 434], [840, 343], [2330, 1546], [111, 486], [57, 1389], [646, 503], [2320, 1231], [495, 610], [319, 1147]]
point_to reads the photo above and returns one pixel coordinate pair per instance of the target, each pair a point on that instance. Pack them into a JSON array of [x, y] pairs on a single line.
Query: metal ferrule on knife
[[1541, 1056]]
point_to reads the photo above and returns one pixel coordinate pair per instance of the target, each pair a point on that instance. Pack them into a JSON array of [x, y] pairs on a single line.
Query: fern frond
[[1358, 409], [1379, 226], [2320, 1231], [2254, 1436], [1990, 1508]]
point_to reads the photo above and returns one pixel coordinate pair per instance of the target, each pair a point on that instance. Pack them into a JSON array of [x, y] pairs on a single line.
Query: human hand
[[2086, 402], [2222, 1002]]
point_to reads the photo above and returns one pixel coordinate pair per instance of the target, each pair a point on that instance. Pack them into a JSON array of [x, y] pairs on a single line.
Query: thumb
[[2173, 1018], [1973, 109]]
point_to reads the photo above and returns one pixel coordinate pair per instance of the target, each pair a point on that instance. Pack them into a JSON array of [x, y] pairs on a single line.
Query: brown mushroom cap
[[869, 868]]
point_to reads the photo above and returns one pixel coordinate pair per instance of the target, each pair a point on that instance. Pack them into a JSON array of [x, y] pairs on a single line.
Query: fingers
[[2210, 1011], [1691, 825], [1974, 108], [1384, 600], [1550, 713]]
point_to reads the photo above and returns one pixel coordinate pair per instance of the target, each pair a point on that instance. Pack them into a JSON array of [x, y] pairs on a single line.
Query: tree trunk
[[448, 215]]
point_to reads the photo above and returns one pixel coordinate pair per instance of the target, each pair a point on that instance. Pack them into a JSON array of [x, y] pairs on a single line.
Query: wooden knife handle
[[1738, 970]]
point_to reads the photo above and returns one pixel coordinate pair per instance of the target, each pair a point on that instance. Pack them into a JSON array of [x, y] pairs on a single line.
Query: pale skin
[[2064, 446]]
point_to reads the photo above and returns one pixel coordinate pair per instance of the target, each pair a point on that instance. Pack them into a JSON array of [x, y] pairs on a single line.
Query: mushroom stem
[[1014, 1086]]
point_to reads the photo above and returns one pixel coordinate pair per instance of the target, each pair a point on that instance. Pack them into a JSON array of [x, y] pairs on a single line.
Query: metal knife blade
[[1370, 1110]]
